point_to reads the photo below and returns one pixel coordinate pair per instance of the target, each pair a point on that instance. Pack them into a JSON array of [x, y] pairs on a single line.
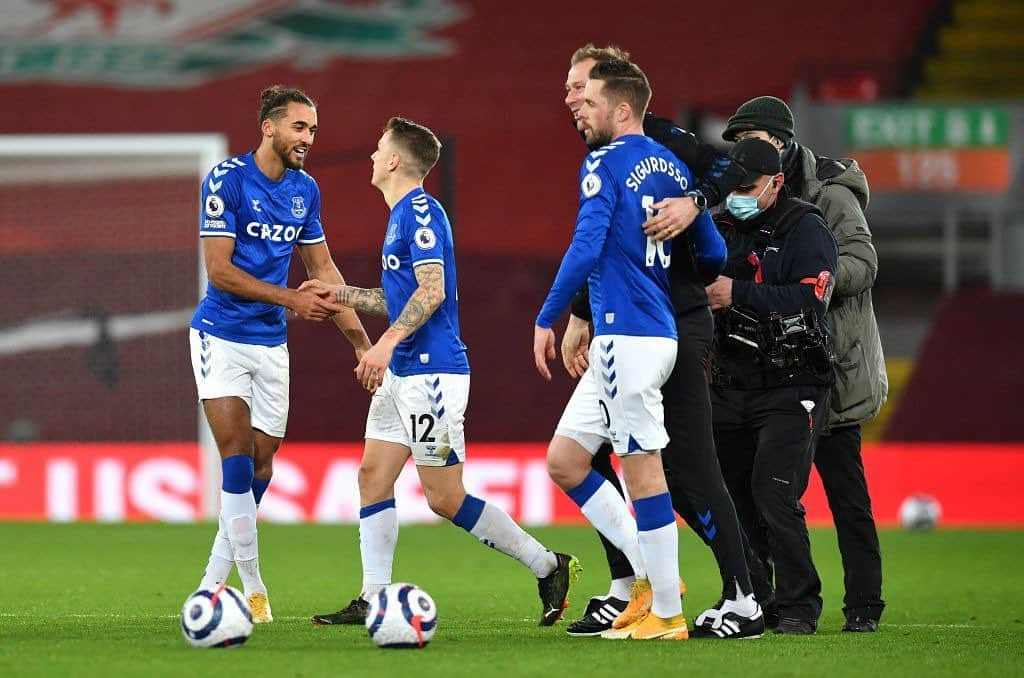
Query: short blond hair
[[598, 54], [624, 82], [422, 146]]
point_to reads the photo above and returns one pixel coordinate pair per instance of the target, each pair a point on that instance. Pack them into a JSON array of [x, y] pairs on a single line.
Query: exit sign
[[927, 127], [931, 148]]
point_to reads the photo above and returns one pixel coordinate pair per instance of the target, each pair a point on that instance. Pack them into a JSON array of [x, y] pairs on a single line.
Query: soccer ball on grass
[[920, 512], [401, 616], [216, 617]]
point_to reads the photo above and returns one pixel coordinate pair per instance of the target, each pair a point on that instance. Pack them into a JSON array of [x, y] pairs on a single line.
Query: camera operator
[[771, 373], [840, 189]]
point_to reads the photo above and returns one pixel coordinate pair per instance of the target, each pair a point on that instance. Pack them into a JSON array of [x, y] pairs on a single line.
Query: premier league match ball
[[217, 617], [401, 616], [920, 512]]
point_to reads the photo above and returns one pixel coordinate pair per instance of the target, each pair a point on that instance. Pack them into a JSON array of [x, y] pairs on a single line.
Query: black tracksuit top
[[783, 261]]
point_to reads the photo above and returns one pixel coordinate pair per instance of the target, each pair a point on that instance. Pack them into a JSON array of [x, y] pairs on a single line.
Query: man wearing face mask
[[840, 189], [772, 369]]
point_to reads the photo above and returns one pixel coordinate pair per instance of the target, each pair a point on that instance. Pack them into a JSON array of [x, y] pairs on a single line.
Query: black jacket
[[717, 176], [783, 261]]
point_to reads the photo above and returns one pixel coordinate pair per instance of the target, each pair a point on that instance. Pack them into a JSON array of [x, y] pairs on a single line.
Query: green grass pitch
[[103, 600]]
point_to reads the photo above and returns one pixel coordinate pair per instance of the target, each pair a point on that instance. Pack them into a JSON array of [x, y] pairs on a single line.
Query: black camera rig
[[795, 342]]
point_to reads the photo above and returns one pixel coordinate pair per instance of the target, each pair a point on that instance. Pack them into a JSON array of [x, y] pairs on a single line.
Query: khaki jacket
[[840, 190]]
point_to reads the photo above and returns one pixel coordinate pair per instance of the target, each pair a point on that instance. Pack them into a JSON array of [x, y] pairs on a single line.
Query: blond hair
[[598, 54]]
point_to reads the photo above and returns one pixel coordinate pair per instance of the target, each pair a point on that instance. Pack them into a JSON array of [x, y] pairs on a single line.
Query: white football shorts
[[618, 398], [424, 412], [256, 374]]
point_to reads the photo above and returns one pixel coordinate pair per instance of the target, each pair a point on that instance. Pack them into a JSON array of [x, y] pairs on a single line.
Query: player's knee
[[372, 487], [443, 503], [263, 468], [645, 486], [565, 471], [233, 443]]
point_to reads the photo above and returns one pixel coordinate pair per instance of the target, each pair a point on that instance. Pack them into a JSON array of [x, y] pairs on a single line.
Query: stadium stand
[[968, 377]]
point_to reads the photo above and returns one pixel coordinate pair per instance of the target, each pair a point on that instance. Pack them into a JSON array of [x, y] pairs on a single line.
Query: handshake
[[316, 300]]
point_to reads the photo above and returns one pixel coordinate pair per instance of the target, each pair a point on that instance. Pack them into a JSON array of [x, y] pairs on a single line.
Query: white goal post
[[76, 168]]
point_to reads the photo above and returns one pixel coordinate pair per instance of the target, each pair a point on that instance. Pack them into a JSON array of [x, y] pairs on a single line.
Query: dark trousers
[[694, 478], [839, 464], [765, 440]]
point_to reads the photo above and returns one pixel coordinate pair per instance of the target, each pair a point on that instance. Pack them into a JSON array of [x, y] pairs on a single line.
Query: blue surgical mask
[[744, 207]]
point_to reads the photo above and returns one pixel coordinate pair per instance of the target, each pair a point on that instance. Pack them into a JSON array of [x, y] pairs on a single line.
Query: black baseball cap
[[758, 158]]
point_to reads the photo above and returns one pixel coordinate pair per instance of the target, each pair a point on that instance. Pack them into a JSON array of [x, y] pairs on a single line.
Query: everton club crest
[[298, 207]]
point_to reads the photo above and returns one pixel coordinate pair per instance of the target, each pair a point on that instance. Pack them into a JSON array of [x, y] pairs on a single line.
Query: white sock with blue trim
[[606, 510], [238, 513], [378, 537], [218, 569], [496, 529], [659, 543]]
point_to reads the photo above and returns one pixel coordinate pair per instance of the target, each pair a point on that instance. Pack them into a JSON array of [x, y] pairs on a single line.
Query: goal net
[[100, 271]]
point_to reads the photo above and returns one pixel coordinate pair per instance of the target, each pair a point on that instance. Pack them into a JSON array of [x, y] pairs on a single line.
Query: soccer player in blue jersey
[[419, 376], [618, 398], [256, 208]]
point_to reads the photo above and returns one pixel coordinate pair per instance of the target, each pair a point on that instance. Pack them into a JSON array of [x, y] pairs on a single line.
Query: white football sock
[[497, 529], [238, 511], [221, 559], [378, 536], [621, 588], [607, 512], [660, 548], [744, 606]]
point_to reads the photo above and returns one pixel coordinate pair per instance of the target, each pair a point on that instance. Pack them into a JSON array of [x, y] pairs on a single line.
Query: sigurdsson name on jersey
[[651, 165]]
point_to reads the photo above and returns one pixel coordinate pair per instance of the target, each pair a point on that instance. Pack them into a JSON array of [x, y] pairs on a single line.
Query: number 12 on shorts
[[424, 420]]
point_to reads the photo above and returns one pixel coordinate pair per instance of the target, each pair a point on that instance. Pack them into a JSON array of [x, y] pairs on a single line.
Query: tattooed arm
[[371, 302], [421, 305]]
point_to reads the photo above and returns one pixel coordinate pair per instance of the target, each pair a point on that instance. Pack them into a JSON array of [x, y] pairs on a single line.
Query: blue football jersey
[[626, 270], [266, 219], [419, 233]]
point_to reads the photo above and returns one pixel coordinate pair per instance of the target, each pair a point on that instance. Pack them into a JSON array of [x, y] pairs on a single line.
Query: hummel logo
[[256, 206], [771, 249]]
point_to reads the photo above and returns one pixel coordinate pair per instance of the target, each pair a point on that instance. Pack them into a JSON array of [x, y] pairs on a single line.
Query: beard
[[596, 138], [284, 151]]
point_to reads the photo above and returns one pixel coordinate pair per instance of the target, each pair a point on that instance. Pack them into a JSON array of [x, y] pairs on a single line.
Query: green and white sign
[[173, 43], [952, 127]]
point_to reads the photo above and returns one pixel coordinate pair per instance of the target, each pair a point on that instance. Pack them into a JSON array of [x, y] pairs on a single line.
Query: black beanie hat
[[766, 113]]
